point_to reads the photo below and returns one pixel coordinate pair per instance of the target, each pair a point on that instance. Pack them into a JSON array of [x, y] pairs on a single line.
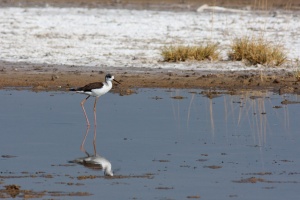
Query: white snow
[[133, 38]]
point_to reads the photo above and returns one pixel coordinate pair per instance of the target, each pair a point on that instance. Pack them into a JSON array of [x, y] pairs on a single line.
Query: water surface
[[241, 146]]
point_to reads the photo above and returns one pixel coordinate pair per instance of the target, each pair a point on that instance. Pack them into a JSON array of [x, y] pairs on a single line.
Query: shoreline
[[57, 78]]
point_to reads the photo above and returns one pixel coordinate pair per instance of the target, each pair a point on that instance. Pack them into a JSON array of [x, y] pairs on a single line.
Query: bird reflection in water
[[95, 162]]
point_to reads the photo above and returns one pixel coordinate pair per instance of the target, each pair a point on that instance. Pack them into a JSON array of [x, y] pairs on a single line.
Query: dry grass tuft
[[257, 50], [297, 75], [182, 53], [297, 71]]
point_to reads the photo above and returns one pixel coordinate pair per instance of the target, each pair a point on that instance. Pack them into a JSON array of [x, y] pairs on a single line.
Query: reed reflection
[[239, 113]]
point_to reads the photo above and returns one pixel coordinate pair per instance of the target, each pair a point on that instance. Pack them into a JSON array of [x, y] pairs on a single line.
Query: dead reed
[[257, 50], [182, 53], [297, 75]]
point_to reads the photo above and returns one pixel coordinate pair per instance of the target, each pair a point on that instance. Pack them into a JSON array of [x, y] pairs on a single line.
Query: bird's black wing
[[89, 87]]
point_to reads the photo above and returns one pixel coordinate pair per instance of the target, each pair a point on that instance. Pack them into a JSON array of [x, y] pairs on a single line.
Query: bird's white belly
[[100, 91]]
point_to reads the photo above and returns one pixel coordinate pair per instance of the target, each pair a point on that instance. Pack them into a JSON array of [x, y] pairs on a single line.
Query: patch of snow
[[132, 38]]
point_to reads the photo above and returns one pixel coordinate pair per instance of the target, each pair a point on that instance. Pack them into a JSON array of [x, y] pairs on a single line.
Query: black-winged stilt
[[96, 90]]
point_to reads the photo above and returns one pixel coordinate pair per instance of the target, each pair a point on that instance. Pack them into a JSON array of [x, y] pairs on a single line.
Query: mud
[[49, 78], [15, 191], [260, 180]]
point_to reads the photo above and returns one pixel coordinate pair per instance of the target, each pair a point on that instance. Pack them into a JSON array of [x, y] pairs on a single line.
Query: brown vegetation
[[183, 53], [257, 50]]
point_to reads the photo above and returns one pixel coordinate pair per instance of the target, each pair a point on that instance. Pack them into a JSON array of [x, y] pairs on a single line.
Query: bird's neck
[[107, 169], [109, 83]]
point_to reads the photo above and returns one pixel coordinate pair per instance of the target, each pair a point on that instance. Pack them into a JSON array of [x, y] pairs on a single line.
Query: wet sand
[[45, 78]]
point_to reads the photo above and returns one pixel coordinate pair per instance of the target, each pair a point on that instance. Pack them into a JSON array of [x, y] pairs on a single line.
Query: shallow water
[[159, 147]]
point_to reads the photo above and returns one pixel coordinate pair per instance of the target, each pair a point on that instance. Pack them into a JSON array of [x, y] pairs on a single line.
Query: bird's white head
[[110, 77]]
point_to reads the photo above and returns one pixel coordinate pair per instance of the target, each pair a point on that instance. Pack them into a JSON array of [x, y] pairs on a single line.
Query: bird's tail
[[73, 89]]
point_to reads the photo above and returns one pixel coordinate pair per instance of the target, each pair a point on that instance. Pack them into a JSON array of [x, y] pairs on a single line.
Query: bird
[[95, 162], [96, 90]]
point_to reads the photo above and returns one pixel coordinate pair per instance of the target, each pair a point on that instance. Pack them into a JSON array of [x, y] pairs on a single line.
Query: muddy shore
[[48, 77]]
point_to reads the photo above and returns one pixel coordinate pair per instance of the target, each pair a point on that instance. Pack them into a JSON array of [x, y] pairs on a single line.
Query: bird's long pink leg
[[83, 141], [95, 126], [87, 128], [82, 105]]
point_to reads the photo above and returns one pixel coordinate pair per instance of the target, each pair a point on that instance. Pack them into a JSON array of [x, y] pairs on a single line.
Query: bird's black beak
[[117, 81]]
